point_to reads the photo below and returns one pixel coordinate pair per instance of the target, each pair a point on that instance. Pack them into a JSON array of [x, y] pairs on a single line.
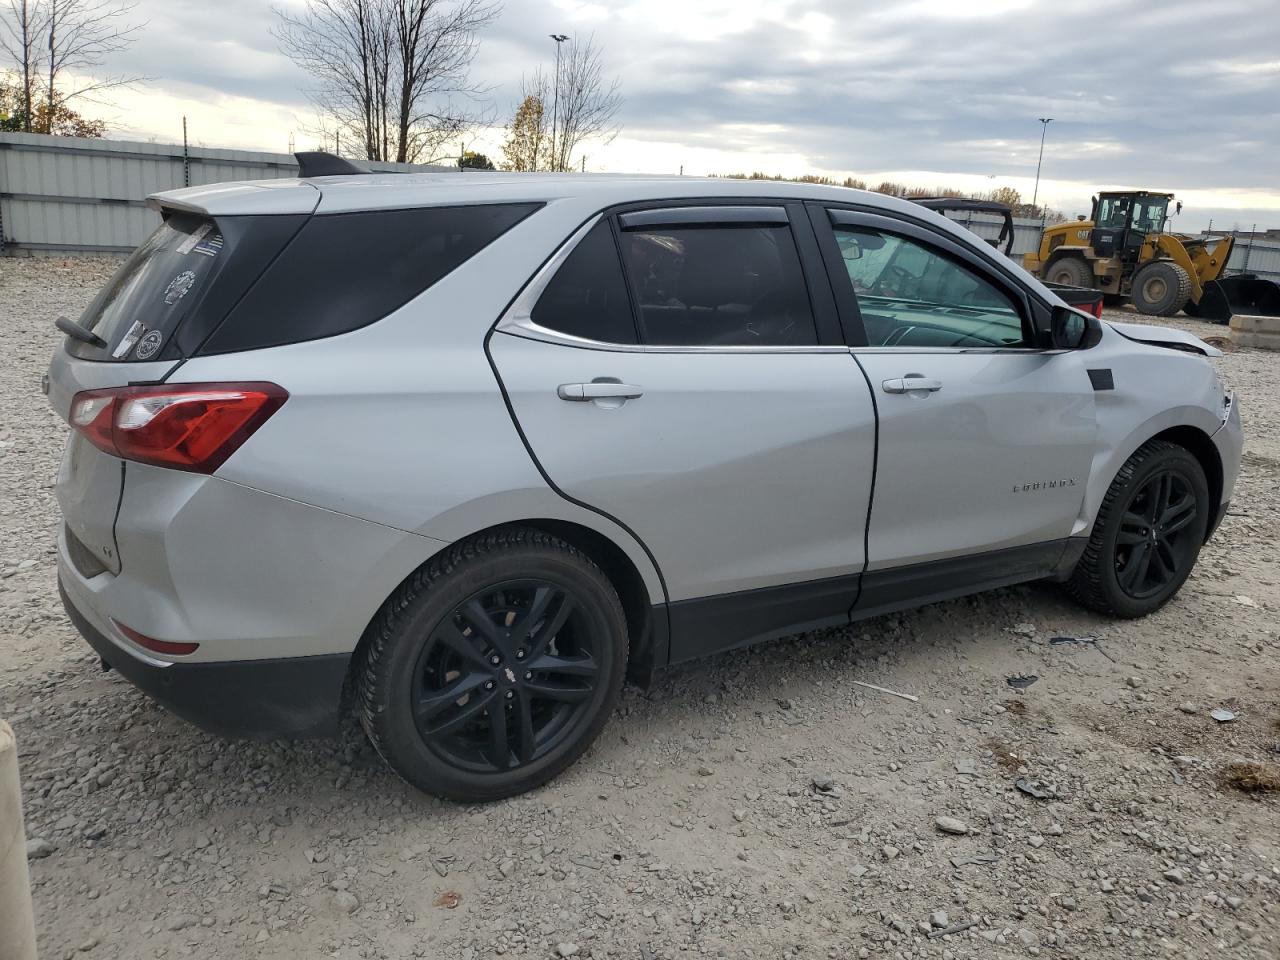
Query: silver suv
[[458, 452]]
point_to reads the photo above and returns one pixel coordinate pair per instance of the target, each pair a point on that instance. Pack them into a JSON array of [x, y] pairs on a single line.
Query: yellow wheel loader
[[1123, 251]]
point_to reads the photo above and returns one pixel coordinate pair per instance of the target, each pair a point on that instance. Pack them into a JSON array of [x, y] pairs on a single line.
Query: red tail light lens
[[1097, 309], [185, 426]]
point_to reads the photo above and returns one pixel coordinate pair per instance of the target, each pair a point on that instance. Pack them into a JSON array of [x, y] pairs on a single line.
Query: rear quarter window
[[345, 271]]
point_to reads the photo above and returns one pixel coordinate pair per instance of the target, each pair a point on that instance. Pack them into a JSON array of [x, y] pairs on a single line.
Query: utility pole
[[559, 38], [186, 155], [1044, 128]]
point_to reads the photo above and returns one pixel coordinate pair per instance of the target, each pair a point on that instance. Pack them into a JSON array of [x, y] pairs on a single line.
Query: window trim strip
[[705, 215], [517, 319]]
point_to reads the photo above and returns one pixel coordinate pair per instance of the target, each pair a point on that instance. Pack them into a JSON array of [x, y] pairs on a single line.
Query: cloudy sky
[[1181, 95]]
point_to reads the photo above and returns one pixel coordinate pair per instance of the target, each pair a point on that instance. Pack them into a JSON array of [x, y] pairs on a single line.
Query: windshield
[[1148, 213]]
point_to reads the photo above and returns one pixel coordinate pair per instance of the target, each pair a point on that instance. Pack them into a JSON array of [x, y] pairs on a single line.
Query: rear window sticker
[[149, 346], [178, 287], [196, 236], [210, 245], [129, 339]]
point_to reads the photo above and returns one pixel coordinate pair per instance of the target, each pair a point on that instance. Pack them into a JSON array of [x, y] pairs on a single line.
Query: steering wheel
[[897, 277]]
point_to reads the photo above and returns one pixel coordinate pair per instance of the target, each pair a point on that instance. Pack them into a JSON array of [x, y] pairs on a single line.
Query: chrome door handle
[[599, 390], [908, 384]]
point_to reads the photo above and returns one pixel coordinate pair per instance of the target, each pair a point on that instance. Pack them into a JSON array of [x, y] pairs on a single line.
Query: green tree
[[528, 145], [470, 160], [50, 115]]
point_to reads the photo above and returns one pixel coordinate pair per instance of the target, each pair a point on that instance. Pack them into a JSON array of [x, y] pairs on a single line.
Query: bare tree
[[52, 40], [389, 71], [21, 30], [587, 102]]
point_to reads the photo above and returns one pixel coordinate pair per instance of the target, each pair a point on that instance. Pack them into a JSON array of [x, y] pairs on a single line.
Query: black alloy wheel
[[504, 677], [1147, 533], [1158, 535], [493, 667]]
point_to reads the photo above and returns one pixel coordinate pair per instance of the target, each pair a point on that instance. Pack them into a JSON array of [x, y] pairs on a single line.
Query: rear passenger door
[[677, 369]]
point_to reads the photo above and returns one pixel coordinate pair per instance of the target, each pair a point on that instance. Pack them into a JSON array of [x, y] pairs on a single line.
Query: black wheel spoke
[[482, 621], [507, 676], [1133, 520], [466, 646], [1178, 515], [1134, 571], [562, 693], [526, 737], [464, 717], [428, 706], [543, 598], [499, 746], [1163, 559], [548, 631], [1130, 537], [570, 666]]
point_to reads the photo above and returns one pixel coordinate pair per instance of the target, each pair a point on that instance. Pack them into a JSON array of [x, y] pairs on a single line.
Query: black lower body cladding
[[291, 697]]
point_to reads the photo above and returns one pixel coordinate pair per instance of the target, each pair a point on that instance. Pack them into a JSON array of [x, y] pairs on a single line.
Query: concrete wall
[[68, 196]]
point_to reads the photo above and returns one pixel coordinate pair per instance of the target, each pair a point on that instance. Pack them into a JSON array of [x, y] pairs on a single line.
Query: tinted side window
[[911, 296], [719, 285], [344, 271], [587, 297]]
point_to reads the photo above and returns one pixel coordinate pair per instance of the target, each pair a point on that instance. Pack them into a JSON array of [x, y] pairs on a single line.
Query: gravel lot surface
[[752, 805]]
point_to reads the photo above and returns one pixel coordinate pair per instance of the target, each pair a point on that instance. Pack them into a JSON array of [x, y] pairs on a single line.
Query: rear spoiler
[[318, 163]]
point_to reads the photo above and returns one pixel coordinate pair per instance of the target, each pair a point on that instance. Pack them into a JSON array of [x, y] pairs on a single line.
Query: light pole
[[1044, 128], [559, 38]]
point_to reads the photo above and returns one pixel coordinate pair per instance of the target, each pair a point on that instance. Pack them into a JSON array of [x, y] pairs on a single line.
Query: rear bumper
[[289, 697]]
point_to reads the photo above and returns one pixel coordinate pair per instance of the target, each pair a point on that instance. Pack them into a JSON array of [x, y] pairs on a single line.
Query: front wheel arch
[[1199, 445]]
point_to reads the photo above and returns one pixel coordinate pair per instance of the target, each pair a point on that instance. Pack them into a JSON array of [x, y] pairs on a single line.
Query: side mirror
[[1178, 207], [1069, 329]]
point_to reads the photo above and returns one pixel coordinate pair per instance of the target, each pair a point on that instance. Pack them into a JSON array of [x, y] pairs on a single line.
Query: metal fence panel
[[67, 196], [1251, 255]]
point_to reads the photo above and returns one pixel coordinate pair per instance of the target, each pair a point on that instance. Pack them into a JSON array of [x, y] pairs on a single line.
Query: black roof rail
[[318, 163]]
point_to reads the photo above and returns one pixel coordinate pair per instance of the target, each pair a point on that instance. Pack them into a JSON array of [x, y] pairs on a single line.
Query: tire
[[451, 641], [1161, 289], [1072, 271], [1110, 576]]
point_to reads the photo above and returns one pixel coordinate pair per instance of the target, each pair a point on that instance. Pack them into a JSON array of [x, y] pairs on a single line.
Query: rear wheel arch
[[646, 621]]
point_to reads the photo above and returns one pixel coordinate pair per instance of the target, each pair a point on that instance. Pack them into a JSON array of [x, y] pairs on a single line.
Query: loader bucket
[[1244, 293]]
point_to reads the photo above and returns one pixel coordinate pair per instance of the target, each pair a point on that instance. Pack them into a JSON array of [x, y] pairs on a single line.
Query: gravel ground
[[752, 805]]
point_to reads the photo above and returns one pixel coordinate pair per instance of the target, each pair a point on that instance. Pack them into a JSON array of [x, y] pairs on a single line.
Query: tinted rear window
[[344, 271], [155, 289]]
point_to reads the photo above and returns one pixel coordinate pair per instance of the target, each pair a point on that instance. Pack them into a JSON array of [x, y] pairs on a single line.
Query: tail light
[[1096, 308], [185, 426]]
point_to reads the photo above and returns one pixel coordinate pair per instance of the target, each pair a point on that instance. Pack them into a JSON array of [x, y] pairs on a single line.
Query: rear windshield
[[179, 284], [147, 299]]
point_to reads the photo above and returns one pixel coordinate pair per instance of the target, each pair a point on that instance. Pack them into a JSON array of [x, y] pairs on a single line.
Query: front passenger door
[[985, 441]]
